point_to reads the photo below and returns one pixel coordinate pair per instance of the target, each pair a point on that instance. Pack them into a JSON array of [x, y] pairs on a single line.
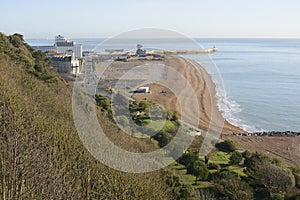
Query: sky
[[194, 18]]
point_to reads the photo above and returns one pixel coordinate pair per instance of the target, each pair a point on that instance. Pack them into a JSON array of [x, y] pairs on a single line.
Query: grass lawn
[[161, 125], [223, 158], [189, 179], [237, 169], [220, 158]]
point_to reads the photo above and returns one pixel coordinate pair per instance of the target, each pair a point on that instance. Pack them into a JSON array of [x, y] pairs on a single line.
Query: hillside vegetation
[[41, 155]]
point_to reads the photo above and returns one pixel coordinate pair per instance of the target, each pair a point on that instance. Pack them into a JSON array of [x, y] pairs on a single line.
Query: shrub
[[198, 169], [214, 166], [163, 138], [172, 115], [271, 177], [188, 158], [236, 158], [231, 186], [277, 197], [246, 154], [296, 173], [227, 146]]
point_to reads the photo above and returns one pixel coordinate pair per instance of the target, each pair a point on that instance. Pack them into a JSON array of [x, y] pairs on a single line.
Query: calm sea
[[261, 77]]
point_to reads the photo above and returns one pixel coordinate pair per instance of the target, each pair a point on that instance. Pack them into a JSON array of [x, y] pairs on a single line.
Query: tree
[[163, 138], [172, 115], [296, 173], [236, 158], [204, 194], [198, 169], [273, 178], [246, 154], [188, 158], [230, 185], [227, 146], [157, 113]]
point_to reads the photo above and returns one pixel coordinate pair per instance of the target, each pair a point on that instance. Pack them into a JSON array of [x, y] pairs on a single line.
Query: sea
[[258, 80]]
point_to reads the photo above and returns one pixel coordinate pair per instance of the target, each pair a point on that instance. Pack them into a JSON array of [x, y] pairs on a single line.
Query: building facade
[[62, 45], [65, 64]]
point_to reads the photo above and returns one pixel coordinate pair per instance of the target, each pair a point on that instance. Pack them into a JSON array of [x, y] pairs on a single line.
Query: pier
[[175, 52]]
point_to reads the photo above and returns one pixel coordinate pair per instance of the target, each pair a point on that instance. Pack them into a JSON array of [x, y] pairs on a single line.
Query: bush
[[236, 158], [231, 186], [214, 166], [188, 159], [277, 197], [227, 146], [296, 173], [198, 169], [163, 138], [172, 115], [269, 176], [246, 154]]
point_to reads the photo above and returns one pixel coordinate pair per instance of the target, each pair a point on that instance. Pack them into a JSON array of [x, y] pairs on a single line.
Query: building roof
[[62, 58]]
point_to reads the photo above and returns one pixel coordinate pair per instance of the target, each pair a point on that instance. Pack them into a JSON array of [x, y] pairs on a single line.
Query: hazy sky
[[194, 18]]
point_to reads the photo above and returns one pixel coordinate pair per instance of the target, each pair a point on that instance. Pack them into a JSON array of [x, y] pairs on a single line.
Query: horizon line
[[48, 38]]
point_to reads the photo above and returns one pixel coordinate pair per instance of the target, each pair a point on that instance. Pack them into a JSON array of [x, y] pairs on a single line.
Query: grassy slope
[[41, 154]]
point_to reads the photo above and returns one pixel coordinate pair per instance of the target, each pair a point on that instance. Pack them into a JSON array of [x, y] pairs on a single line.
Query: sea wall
[[270, 134]]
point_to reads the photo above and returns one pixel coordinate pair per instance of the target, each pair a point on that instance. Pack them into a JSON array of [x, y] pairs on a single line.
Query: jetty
[[142, 52], [176, 52]]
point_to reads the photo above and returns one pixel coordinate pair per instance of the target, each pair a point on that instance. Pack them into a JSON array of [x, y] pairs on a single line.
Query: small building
[[123, 57], [142, 90], [157, 57], [140, 52]]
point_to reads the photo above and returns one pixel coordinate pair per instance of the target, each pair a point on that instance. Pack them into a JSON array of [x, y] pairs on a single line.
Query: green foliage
[[145, 105], [188, 158], [105, 105], [214, 166], [152, 118], [296, 173], [277, 197], [255, 159], [172, 115], [246, 154], [198, 169], [163, 138], [157, 113], [41, 154], [236, 158], [220, 157], [179, 190], [227, 146], [35, 62], [230, 185], [273, 178]]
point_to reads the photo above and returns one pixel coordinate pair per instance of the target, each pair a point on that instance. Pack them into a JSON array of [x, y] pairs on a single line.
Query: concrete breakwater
[[160, 52], [270, 134], [175, 52]]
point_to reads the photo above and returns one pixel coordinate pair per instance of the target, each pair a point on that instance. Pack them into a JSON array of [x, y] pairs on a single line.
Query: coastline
[[205, 91]]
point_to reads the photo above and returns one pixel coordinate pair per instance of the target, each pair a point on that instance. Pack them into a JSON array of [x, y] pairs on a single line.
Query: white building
[[62, 45], [142, 90]]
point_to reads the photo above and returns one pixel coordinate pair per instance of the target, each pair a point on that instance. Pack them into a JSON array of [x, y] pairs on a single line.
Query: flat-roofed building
[[62, 45]]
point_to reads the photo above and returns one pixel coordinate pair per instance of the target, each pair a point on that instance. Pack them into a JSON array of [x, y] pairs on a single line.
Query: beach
[[203, 87]]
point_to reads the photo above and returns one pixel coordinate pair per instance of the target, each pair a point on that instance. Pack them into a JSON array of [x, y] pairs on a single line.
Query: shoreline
[[205, 90]]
